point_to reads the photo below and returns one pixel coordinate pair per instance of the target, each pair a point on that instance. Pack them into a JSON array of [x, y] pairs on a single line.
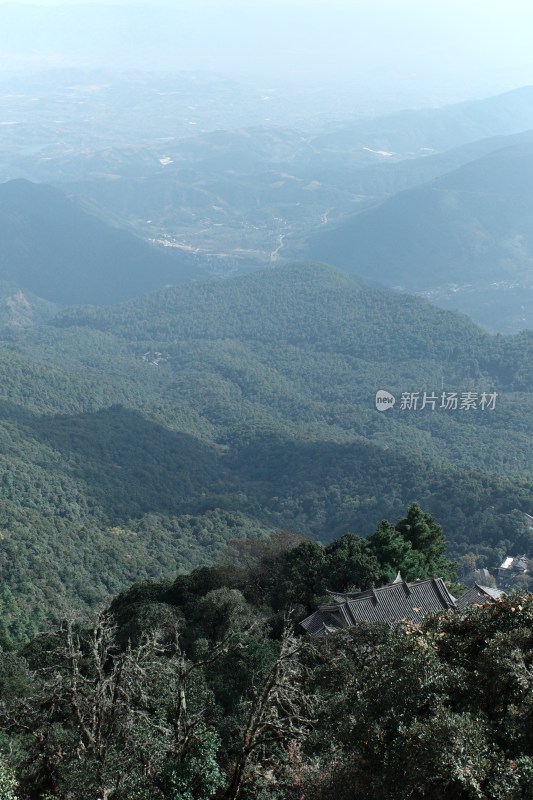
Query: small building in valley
[[511, 568]]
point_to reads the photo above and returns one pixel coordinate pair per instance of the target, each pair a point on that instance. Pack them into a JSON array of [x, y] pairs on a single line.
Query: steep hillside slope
[[464, 239], [52, 247]]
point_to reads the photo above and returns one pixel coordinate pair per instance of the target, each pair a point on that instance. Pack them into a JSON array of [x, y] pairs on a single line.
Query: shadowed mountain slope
[[52, 247], [464, 239]]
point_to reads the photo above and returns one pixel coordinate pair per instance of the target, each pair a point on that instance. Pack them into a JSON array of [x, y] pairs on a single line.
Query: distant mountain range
[[417, 132], [464, 240], [149, 416], [238, 197]]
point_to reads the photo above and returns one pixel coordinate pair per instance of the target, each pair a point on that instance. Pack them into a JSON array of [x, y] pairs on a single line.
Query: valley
[[229, 196]]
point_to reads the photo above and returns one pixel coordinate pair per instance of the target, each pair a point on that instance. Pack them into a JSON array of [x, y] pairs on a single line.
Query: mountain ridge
[[44, 233], [469, 227]]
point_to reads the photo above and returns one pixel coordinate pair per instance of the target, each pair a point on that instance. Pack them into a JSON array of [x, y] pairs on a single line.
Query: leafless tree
[[280, 710], [95, 697]]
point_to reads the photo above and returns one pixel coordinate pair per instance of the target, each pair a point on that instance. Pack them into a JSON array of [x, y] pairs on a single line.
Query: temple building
[[392, 603]]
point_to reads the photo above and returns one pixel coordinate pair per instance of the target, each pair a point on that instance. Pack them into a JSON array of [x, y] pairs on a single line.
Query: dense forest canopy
[[139, 440]]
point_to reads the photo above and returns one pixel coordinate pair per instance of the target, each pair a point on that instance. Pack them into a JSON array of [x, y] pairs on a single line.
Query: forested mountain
[[389, 176], [54, 248], [463, 239], [142, 438]]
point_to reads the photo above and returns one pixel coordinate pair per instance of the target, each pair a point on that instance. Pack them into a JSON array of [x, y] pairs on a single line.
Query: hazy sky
[[420, 48]]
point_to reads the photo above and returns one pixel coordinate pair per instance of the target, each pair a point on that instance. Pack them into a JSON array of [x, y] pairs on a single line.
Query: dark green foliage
[[303, 572], [444, 709], [350, 566], [15, 679], [15, 623], [392, 550], [8, 783], [415, 546], [440, 711], [221, 611], [199, 776]]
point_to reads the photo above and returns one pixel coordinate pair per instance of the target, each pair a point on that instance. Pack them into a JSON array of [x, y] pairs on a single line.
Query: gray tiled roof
[[316, 623], [390, 603], [478, 595]]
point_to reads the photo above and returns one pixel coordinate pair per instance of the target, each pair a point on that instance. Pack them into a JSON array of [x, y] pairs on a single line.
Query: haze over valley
[[236, 196]]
